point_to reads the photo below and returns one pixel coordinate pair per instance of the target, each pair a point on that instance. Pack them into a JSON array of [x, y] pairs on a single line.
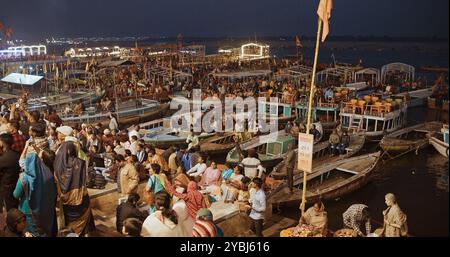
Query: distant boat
[[166, 139], [434, 69], [411, 138], [59, 101], [270, 149], [440, 141], [416, 98], [129, 112]]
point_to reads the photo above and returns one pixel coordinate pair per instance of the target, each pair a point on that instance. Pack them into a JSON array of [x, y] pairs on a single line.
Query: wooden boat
[[440, 141], [332, 180], [168, 138], [326, 113], [270, 148], [130, 112], [416, 98], [59, 101], [407, 139], [434, 69], [432, 103], [321, 156], [218, 144]]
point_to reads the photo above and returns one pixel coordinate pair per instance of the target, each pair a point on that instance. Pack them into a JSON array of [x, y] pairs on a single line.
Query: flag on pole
[[1, 26], [324, 12], [298, 43]]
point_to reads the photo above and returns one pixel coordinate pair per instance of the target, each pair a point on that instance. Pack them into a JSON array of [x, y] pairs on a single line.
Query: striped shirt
[[204, 228]]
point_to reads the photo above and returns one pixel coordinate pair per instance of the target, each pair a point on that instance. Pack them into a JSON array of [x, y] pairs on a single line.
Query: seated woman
[[210, 177], [231, 187], [164, 222], [316, 216], [180, 178]]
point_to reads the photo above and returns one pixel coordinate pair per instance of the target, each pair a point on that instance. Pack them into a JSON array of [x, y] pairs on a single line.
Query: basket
[[345, 232]]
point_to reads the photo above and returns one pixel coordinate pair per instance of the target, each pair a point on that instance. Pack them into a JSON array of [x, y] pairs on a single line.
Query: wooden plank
[[348, 171]]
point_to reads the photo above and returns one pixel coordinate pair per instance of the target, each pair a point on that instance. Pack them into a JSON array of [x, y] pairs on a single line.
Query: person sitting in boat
[[295, 130], [329, 94], [231, 187], [79, 108], [394, 219], [355, 216], [210, 177], [333, 142], [315, 132], [197, 171], [344, 143], [316, 216], [192, 141]]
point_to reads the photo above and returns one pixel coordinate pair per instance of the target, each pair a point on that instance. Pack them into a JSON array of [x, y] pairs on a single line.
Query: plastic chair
[[361, 105], [375, 99], [367, 98], [387, 107], [376, 108]]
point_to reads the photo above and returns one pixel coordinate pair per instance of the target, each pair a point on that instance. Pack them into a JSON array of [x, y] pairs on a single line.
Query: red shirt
[[19, 142]]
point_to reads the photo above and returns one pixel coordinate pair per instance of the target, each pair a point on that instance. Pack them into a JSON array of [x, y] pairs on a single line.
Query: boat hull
[[440, 146]]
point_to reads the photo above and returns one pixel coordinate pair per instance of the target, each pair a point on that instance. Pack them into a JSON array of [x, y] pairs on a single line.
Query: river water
[[420, 183]]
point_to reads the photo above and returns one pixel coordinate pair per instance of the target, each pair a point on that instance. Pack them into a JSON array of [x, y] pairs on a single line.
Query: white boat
[[375, 120], [440, 141]]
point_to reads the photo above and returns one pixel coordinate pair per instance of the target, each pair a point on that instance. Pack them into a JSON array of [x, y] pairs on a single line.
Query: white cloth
[[251, 167], [188, 223], [133, 147], [197, 170], [153, 227], [258, 201]]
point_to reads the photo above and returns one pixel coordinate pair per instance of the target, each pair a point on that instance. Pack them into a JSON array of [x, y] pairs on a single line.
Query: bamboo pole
[[311, 95]]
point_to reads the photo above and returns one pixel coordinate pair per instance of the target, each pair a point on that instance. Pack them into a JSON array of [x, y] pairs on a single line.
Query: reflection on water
[[438, 166]]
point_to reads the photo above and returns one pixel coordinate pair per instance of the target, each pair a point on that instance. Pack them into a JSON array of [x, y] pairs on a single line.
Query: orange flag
[[324, 12], [1, 26]]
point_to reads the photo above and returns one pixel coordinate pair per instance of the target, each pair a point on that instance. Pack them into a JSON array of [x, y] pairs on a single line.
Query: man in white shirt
[[258, 208], [198, 169], [251, 164], [134, 145]]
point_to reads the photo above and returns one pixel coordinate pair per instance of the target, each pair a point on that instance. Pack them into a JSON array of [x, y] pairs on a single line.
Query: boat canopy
[[22, 79], [167, 73], [242, 74], [372, 72], [295, 72], [339, 71], [116, 63], [397, 67]]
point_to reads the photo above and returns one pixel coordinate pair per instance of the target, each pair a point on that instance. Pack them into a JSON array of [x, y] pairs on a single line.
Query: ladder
[[355, 124]]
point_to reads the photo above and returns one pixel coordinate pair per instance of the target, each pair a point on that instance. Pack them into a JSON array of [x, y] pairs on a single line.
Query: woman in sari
[[395, 224], [317, 217], [36, 192], [74, 202], [193, 198], [181, 179], [231, 187]]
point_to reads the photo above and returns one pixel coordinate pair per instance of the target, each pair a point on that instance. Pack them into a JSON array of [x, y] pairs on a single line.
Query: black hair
[[162, 202], [120, 158], [258, 182], [156, 168], [133, 198], [133, 227], [38, 128], [7, 139], [127, 152]]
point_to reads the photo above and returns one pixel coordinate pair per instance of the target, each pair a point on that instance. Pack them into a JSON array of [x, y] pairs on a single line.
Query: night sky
[[64, 18]]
